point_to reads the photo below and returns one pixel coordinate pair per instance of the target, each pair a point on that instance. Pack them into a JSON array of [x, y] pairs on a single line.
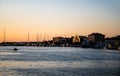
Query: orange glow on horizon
[[58, 18]]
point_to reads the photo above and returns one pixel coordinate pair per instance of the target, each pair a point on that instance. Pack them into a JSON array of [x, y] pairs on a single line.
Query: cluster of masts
[[38, 37]]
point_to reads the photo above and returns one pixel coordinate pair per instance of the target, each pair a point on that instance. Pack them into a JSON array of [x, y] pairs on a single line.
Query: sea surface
[[58, 61]]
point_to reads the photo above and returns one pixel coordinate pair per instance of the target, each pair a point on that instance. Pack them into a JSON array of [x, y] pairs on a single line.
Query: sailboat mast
[[45, 37], [37, 37], [28, 36], [4, 36], [40, 37]]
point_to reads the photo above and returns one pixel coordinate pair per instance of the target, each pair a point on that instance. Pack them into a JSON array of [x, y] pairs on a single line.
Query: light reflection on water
[[49, 61], [54, 64]]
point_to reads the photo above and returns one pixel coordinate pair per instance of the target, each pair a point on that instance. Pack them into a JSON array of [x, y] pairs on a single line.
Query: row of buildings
[[94, 40]]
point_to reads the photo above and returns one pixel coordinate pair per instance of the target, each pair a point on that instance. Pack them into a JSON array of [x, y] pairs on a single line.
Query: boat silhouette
[[15, 49]]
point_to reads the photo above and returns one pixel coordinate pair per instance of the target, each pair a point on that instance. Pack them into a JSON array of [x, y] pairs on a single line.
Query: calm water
[[58, 61]]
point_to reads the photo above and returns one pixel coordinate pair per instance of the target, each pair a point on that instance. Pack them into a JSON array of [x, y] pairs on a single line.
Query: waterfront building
[[96, 40], [85, 43], [76, 39], [113, 43], [60, 41]]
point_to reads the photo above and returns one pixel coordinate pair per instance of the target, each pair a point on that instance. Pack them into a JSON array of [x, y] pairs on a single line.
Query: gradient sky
[[58, 18]]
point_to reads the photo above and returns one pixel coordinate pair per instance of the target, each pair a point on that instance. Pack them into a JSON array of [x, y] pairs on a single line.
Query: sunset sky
[[58, 18]]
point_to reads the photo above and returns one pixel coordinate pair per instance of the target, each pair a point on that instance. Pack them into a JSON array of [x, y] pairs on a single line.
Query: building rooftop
[[96, 34]]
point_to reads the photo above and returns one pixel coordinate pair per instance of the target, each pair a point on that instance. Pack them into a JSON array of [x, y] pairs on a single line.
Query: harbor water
[[58, 61]]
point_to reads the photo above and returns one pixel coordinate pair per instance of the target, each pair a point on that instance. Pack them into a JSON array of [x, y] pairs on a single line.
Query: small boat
[[15, 49]]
